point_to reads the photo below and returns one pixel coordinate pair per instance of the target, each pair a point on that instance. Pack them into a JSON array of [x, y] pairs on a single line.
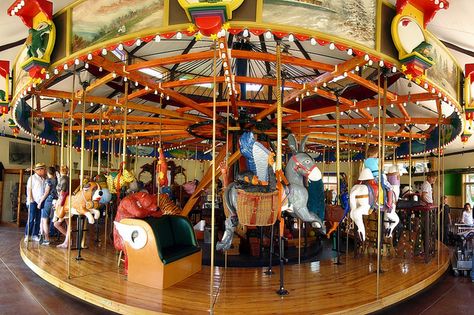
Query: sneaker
[[27, 239], [45, 242], [35, 238]]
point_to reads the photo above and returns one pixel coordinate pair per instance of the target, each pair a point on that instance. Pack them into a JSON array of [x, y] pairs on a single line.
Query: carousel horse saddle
[[249, 182], [373, 188]]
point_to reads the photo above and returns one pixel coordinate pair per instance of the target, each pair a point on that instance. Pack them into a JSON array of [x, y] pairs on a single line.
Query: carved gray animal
[[300, 165]]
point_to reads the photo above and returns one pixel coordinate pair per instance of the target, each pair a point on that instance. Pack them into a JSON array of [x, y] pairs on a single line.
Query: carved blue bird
[[256, 155]]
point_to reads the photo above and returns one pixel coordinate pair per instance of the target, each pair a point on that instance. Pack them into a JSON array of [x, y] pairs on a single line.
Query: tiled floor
[[23, 292], [450, 295]]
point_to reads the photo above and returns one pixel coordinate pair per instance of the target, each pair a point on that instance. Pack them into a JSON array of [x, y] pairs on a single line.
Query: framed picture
[[19, 153]]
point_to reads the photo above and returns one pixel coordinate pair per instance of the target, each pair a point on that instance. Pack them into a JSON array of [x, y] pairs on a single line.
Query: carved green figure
[[3, 96], [424, 49], [37, 41]]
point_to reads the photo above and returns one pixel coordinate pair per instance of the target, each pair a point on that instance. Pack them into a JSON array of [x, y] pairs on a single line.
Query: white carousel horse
[[391, 218], [361, 204]]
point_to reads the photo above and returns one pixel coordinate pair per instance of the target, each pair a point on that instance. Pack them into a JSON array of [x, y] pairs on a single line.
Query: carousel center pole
[[280, 91]]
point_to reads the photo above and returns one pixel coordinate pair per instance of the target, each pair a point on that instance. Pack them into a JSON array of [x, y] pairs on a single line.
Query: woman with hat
[[34, 192]]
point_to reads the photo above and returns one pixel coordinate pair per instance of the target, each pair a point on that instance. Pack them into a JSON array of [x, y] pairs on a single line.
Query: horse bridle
[[299, 165]]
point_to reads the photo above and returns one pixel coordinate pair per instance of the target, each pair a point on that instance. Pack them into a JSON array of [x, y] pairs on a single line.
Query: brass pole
[[92, 158], [62, 138], [125, 114], [99, 149], [440, 112], [71, 114], [409, 159], [83, 136], [379, 104], [32, 157], [213, 185]]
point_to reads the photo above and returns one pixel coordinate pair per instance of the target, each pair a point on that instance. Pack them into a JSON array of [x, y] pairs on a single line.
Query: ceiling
[[452, 26]]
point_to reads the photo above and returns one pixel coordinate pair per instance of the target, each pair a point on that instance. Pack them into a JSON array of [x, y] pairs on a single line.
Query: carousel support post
[[32, 155], [379, 206], [281, 291], [338, 179], [439, 180], [71, 120], [269, 271], [213, 182], [299, 241], [80, 222], [62, 137], [349, 187]]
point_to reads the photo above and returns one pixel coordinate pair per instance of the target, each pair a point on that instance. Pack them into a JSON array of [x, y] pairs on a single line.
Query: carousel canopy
[[162, 84]]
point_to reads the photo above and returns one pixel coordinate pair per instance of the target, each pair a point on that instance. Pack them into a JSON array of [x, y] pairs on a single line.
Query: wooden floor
[[315, 288]]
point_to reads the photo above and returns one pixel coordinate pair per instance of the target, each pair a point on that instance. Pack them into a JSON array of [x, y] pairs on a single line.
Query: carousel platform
[[316, 287]]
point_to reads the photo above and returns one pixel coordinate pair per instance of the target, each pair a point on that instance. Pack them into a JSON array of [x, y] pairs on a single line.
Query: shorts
[[46, 211]]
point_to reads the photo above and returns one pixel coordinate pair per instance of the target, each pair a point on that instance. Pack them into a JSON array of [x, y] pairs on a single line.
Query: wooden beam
[[241, 54], [370, 85], [349, 139], [331, 130], [130, 105], [129, 127], [148, 81], [345, 66]]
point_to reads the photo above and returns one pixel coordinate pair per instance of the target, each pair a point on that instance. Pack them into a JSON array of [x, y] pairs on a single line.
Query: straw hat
[[39, 166]]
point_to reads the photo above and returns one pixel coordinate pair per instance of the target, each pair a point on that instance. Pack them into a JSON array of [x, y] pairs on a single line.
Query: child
[[63, 189], [49, 195], [467, 214], [372, 162]]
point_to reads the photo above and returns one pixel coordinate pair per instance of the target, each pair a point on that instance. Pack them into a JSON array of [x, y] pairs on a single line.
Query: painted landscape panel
[[349, 19], [95, 21], [444, 72]]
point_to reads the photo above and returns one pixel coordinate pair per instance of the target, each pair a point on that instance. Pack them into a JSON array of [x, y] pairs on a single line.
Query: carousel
[[300, 118]]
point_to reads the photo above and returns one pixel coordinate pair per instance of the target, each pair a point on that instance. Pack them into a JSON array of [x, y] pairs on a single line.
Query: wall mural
[[444, 72], [351, 19], [100, 20]]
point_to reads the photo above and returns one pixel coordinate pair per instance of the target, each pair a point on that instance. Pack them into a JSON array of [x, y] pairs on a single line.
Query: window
[[469, 188], [330, 182]]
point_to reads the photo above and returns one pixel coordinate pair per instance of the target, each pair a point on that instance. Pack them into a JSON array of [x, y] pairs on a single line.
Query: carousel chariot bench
[[168, 255]]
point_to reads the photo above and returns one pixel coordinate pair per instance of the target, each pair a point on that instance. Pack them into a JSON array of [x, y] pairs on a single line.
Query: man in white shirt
[[34, 192], [427, 189]]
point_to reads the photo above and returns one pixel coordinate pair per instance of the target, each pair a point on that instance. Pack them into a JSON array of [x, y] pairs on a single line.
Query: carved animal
[[138, 205], [84, 202], [162, 169], [118, 180], [37, 41], [300, 166], [364, 197]]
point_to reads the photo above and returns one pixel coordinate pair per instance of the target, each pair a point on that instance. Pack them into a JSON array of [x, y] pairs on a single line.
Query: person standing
[[34, 192], [446, 219], [467, 214], [63, 191], [50, 194], [427, 189]]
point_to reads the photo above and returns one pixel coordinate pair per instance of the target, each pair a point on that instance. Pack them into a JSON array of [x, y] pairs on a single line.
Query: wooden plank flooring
[[315, 288]]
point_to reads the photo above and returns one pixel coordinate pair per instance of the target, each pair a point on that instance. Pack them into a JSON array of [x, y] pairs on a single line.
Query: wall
[[42, 154]]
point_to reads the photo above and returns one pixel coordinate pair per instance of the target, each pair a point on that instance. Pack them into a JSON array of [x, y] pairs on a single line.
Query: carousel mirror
[[410, 34]]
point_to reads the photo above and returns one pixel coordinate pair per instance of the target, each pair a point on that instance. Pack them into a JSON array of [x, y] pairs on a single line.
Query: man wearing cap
[[34, 192]]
